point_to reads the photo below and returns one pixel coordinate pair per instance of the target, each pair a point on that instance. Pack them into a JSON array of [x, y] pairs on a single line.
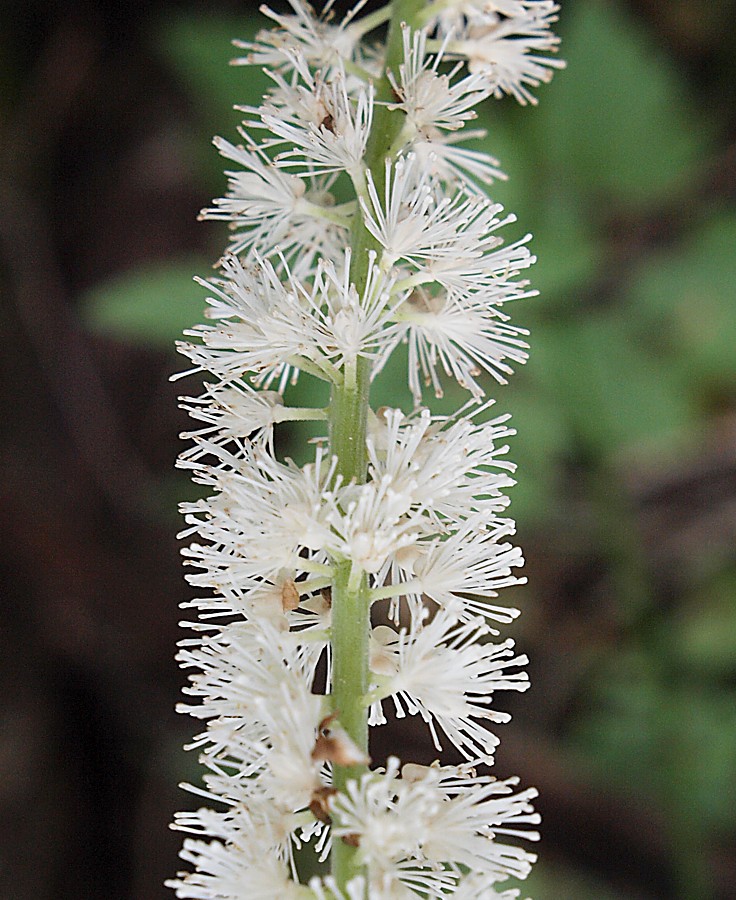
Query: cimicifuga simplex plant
[[363, 584]]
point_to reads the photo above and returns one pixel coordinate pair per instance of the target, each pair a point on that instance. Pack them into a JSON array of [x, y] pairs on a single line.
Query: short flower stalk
[[362, 585]]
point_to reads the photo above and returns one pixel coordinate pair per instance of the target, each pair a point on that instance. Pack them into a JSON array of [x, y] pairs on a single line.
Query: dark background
[[626, 416]]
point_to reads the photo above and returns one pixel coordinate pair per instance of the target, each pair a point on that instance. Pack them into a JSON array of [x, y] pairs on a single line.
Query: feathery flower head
[[364, 583]]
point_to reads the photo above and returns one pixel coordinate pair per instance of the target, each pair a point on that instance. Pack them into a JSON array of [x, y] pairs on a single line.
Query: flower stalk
[[350, 633], [349, 407], [291, 663]]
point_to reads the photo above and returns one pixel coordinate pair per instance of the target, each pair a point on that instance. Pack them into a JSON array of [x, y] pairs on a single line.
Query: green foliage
[[618, 123], [614, 393], [656, 709], [686, 297], [703, 638], [150, 305], [550, 879]]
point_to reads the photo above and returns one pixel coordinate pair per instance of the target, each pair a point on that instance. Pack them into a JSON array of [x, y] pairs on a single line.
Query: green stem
[[368, 22], [348, 415], [350, 635], [298, 414]]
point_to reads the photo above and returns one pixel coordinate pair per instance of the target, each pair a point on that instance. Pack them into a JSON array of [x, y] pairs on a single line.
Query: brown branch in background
[[34, 275]]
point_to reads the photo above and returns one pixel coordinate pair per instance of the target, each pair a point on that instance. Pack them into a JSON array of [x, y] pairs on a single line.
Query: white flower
[[231, 413], [262, 327], [441, 155], [461, 276], [505, 44], [241, 871], [352, 325], [425, 481], [425, 830], [455, 469], [263, 518], [447, 238], [272, 210], [455, 15], [460, 336], [418, 223], [318, 40], [262, 736], [444, 673], [472, 561], [327, 128], [414, 514], [452, 474], [377, 523], [273, 329], [477, 810], [437, 108], [431, 100], [328, 889], [476, 887], [387, 817], [240, 671]]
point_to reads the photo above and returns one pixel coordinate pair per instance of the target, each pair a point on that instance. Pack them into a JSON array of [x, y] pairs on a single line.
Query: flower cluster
[[361, 585]]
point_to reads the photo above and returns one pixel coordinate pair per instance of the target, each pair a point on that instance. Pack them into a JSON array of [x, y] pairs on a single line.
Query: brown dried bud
[[319, 805], [352, 839], [335, 745], [289, 595]]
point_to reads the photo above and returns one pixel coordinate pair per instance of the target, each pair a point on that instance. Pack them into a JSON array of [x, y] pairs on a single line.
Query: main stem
[[348, 416]]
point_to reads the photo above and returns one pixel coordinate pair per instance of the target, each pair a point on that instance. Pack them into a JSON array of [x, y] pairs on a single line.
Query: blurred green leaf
[[198, 48], [686, 299], [607, 387], [549, 878], [568, 250], [565, 240], [542, 438], [618, 125], [151, 305], [703, 637]]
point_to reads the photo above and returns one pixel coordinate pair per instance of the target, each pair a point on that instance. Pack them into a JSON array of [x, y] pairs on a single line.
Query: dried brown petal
[[335, 745], [289, 595], [319, 805]]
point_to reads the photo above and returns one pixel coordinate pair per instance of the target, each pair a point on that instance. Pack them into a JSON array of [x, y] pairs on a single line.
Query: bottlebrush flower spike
[[364, 582]]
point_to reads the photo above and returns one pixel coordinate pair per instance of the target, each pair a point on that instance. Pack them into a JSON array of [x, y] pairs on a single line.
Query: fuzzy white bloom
[[234, 871], [421, 830], [231, 413], [444, 673], [431, 100], [455, 335], [270, 208], [276, 328], [264, 517], [321, 41], [327, 128], [437, 107], [363, 583], [418, 223], [444, 247], [472, 561], [504, 40]]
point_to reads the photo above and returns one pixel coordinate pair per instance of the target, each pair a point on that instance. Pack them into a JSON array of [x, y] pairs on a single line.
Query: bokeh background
[[626, 413]]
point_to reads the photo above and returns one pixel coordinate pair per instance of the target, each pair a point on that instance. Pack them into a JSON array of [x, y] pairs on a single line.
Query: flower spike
[[365, 583]]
